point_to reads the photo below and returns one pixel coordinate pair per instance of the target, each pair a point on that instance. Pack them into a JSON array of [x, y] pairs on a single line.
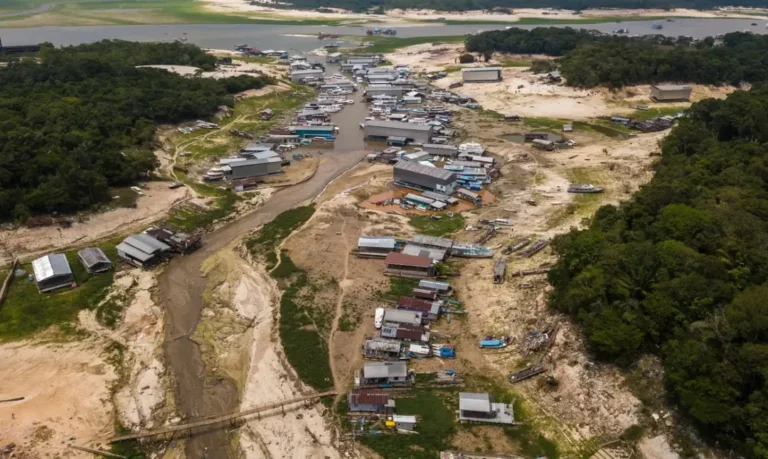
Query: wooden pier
[[232, 418]]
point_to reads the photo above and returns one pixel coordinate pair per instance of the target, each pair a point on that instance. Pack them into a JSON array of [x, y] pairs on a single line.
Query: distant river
[[226, 36]]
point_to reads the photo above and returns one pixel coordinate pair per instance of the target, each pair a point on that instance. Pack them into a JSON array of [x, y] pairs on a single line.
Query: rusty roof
[[394, 258], [409, 302], [368, 397]]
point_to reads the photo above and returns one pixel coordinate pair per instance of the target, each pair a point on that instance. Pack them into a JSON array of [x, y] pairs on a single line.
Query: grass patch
[[122, 197], [27, 311], [305, 349], [286, 267], [129, 449], [272, 233], [644, 115], [443, 226], [509, 62], [546, 123], [398, 287], [435, 409]]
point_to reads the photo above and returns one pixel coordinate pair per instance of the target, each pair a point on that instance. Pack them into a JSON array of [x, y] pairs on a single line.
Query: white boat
[[331, 108], [379, 319]]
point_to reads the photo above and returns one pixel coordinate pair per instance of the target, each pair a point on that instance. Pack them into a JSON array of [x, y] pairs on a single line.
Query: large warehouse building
[[412, 132], [414, 175], [481, 74], [253, 168], [670, 92]]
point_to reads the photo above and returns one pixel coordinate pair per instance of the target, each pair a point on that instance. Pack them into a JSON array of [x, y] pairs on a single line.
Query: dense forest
[[464, 5], [82, 119], [681, 270], [590, 59]]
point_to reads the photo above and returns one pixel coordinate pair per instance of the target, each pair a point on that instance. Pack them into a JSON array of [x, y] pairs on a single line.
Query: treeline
[[465, 5], [590, 59], [82, 119], [681, 271]]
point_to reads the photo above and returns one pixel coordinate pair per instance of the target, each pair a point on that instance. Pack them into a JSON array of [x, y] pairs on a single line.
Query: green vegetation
[[590, 60], [643, 115], [273, 233], [191, 218], [27, 311], [398, 287], [430, 226], [680, 271], [82, 120], [436, 426]]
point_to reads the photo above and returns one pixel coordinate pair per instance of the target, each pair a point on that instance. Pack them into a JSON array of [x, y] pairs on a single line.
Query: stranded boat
[[584, 188]]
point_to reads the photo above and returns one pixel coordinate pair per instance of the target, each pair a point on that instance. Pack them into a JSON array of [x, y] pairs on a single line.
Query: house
[[481, 74], [426, 178], [425, 293], [52, 272], [382, 129], [670, 92], [250, 168], [440, 197], [333, 58], [416, 156], [428, 309], [423, 202], [428, 252], [467, 195], [370, 401], [383, 373], [568, 127], [477, 407], [442, 287], [94, 260], [395, 141], [266, 114], [374, 246], [301, 75], [374, 90], [142, 250], [398, 264], [403, 422], [554, 77], [313, 131], [405, 332], [179, 242], [620, 120], [381, 348], [399, 316], [447, 151]]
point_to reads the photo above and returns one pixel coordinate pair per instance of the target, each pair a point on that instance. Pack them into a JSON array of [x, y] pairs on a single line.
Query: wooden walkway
[[231, 418]]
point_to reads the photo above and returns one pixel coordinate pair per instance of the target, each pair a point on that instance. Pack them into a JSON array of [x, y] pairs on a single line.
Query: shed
[[429, 309], [425, 178], [405, 332], [397, 141], [404, 422], [333, 58], [568, 127], [449, 151], [382, 129], [442, 287], [424, 293], [440, 197], [381, 348], [477, 407], [409, 266], [670, 92], [300, 75], [384, 373], [370, 401], [254, 168], [433, 241], [94, 260], [398, 316], [429, 252], [142, 250], [543, 144], [554, 76], [52, 272], [481, 74], [375, 246]]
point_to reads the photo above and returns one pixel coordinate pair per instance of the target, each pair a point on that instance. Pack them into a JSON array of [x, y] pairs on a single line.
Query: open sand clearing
[[66, 397]]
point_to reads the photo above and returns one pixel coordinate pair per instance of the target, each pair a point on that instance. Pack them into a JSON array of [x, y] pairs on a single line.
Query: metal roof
[[253, 162], [258, 147], [469, 401], [383, 345], [385, 370], [133, 252], [263, 155], [437, 146], [432, 241], [406, 419], [312, 128], [555, 74], [146, 243], [420, 199], [420, 251], [92, 256], [49, 266], [402, 317], [377, 242], [435, 285], [481, 69], [398, 125], [672, 87], [368, 397], [394, 258], [307, 72], [435, 172], [467, 193]]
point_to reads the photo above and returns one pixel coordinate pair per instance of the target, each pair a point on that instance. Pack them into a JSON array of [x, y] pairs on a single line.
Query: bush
[[466, 58]]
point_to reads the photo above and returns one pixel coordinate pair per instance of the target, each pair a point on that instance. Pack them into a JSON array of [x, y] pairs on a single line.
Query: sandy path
[[343, 284]]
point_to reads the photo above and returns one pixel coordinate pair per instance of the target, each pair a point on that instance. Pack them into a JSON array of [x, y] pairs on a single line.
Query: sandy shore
[[404, 16]]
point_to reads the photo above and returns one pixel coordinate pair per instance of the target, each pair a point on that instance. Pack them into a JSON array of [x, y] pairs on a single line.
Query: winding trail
[[338, 386]]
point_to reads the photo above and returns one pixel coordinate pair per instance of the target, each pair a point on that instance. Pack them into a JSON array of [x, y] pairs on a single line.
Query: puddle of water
[[520, 138], [605, 130], [517, 138]]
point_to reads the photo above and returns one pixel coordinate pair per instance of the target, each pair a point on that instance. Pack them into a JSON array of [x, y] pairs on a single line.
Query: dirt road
[[181, 288]]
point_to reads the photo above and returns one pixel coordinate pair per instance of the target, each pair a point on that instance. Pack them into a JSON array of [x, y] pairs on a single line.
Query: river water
[[267, 36]]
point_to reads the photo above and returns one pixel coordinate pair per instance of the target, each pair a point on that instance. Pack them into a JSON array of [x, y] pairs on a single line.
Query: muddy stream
[[182, 285]]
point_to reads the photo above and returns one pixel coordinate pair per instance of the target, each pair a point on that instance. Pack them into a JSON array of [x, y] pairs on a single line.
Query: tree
[[466, 58]]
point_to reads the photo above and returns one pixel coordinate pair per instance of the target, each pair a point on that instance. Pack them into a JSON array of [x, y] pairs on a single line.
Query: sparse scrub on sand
[[272, 233]]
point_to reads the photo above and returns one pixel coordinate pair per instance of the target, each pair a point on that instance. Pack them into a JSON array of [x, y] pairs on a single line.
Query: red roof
[[409, 333], [425, 293], [368, 397], [399, 259], [413, 304]]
